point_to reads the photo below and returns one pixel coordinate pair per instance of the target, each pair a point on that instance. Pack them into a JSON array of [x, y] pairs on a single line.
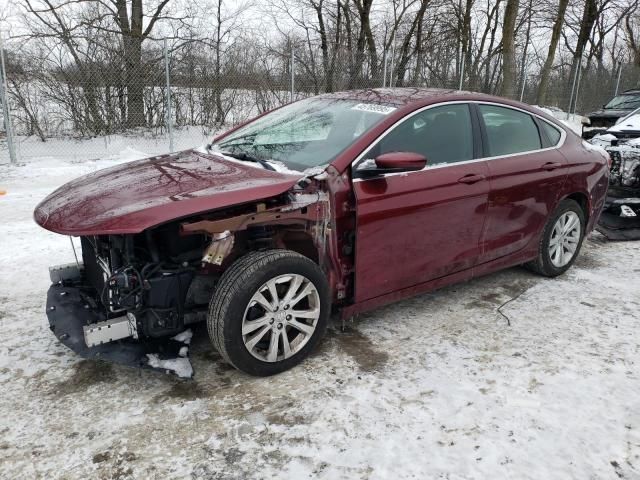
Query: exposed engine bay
[[620, 219]]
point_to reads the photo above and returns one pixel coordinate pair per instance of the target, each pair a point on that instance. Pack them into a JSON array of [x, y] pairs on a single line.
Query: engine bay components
[[221, 246], [620, 219], [110, 330]]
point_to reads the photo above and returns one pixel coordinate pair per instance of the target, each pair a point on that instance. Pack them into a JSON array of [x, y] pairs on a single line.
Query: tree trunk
[[365, 38], [217, 86], [545, 73], [589, 16], [464, 27], [405, 49], [324, 47], [135, 86], [133, 58], [508, 49]]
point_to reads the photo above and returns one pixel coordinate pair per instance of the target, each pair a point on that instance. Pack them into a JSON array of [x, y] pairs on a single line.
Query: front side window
[[305, 134], [442, 134], [509, 131]]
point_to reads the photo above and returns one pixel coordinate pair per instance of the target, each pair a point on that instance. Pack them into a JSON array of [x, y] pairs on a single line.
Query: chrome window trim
[[563, 136]]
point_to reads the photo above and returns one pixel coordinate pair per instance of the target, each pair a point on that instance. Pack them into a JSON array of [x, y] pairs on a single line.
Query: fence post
[[573, 86], [575, 102], [293, 73], [618, 80], [168, 96], [524, 83], [6, 111], [461, 71], [393, 55], [384, 68], [524, 76]]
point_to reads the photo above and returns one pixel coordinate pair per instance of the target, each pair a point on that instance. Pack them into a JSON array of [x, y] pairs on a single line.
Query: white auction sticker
[[374, 107]]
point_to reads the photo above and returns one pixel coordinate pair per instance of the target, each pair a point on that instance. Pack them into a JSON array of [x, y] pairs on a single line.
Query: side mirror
[[401, 161], [392, 162]]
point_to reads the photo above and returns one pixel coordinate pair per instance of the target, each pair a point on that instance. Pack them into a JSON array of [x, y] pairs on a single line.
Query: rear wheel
[[269, 311], [561, 240]]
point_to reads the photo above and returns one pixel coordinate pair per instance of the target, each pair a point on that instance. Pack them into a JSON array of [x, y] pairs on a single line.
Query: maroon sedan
[[347, 201]]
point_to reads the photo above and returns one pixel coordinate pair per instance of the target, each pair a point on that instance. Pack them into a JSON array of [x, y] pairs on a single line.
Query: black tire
[[234, 291], [542, 264]]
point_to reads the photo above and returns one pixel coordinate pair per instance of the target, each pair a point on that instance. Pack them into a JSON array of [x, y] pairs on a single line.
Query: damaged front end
[[126, 304], [133, 297], [620, 219]]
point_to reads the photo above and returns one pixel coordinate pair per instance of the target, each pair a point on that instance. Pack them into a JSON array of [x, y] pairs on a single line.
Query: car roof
[[401, 96], [410, 99], [635, 91]]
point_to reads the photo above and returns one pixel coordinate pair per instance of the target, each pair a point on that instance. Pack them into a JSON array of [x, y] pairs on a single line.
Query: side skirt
[[458, 277]]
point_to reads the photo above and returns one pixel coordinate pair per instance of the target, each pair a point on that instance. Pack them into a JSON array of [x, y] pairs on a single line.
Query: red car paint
[[414, 228], [138, 195], [413, 232], [403, 160]]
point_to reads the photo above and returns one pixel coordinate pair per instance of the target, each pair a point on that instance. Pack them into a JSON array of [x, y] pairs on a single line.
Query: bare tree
[[551, 54], [632, 32], [508, 49], [90, 67]]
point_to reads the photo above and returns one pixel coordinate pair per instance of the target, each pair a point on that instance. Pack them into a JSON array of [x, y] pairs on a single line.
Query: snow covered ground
[[31, 149], [439, 386]]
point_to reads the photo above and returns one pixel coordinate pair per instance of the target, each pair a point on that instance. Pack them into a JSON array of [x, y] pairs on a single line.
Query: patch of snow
[[111, 147], [184, 337], [181, 366], [319, 172], [282, 168], [602, 140], [605, 137], [574, 122], [628, 122]]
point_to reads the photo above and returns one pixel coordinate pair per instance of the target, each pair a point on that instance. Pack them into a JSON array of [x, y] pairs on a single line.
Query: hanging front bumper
[[74, 317]]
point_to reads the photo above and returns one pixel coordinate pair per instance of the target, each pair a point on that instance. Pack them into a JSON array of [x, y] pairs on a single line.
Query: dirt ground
[[438, 386]]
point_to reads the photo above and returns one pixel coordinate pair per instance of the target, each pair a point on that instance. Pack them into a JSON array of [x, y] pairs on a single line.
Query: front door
[[418, 226]]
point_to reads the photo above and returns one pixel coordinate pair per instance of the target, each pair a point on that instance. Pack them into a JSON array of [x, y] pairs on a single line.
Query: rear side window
[[442, 134], [509, 131], [551, 135]]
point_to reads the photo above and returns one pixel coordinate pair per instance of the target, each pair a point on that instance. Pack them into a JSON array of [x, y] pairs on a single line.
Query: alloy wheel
[[565, 238], [281, 317]]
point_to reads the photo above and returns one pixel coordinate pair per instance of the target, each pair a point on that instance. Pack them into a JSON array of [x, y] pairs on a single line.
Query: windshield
[[305, 134], [626, 102]]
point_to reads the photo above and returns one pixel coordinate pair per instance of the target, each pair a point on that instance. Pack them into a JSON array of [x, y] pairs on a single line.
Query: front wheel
[[561, 240], [269, 310]]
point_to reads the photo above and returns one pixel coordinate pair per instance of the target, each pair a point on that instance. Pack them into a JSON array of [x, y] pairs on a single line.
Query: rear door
[[526, 175], [413, 227]]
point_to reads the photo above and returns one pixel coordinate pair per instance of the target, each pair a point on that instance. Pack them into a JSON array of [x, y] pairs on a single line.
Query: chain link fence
[[170, 97]]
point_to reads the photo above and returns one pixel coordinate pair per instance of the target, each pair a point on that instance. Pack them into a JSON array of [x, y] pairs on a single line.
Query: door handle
[[472, 178], [551, 166]]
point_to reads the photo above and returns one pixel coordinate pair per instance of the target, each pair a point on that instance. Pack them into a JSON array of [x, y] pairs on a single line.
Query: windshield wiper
[[249, 158]]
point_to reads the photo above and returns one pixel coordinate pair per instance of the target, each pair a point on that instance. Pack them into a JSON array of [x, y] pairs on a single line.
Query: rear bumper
[[69, 310]]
